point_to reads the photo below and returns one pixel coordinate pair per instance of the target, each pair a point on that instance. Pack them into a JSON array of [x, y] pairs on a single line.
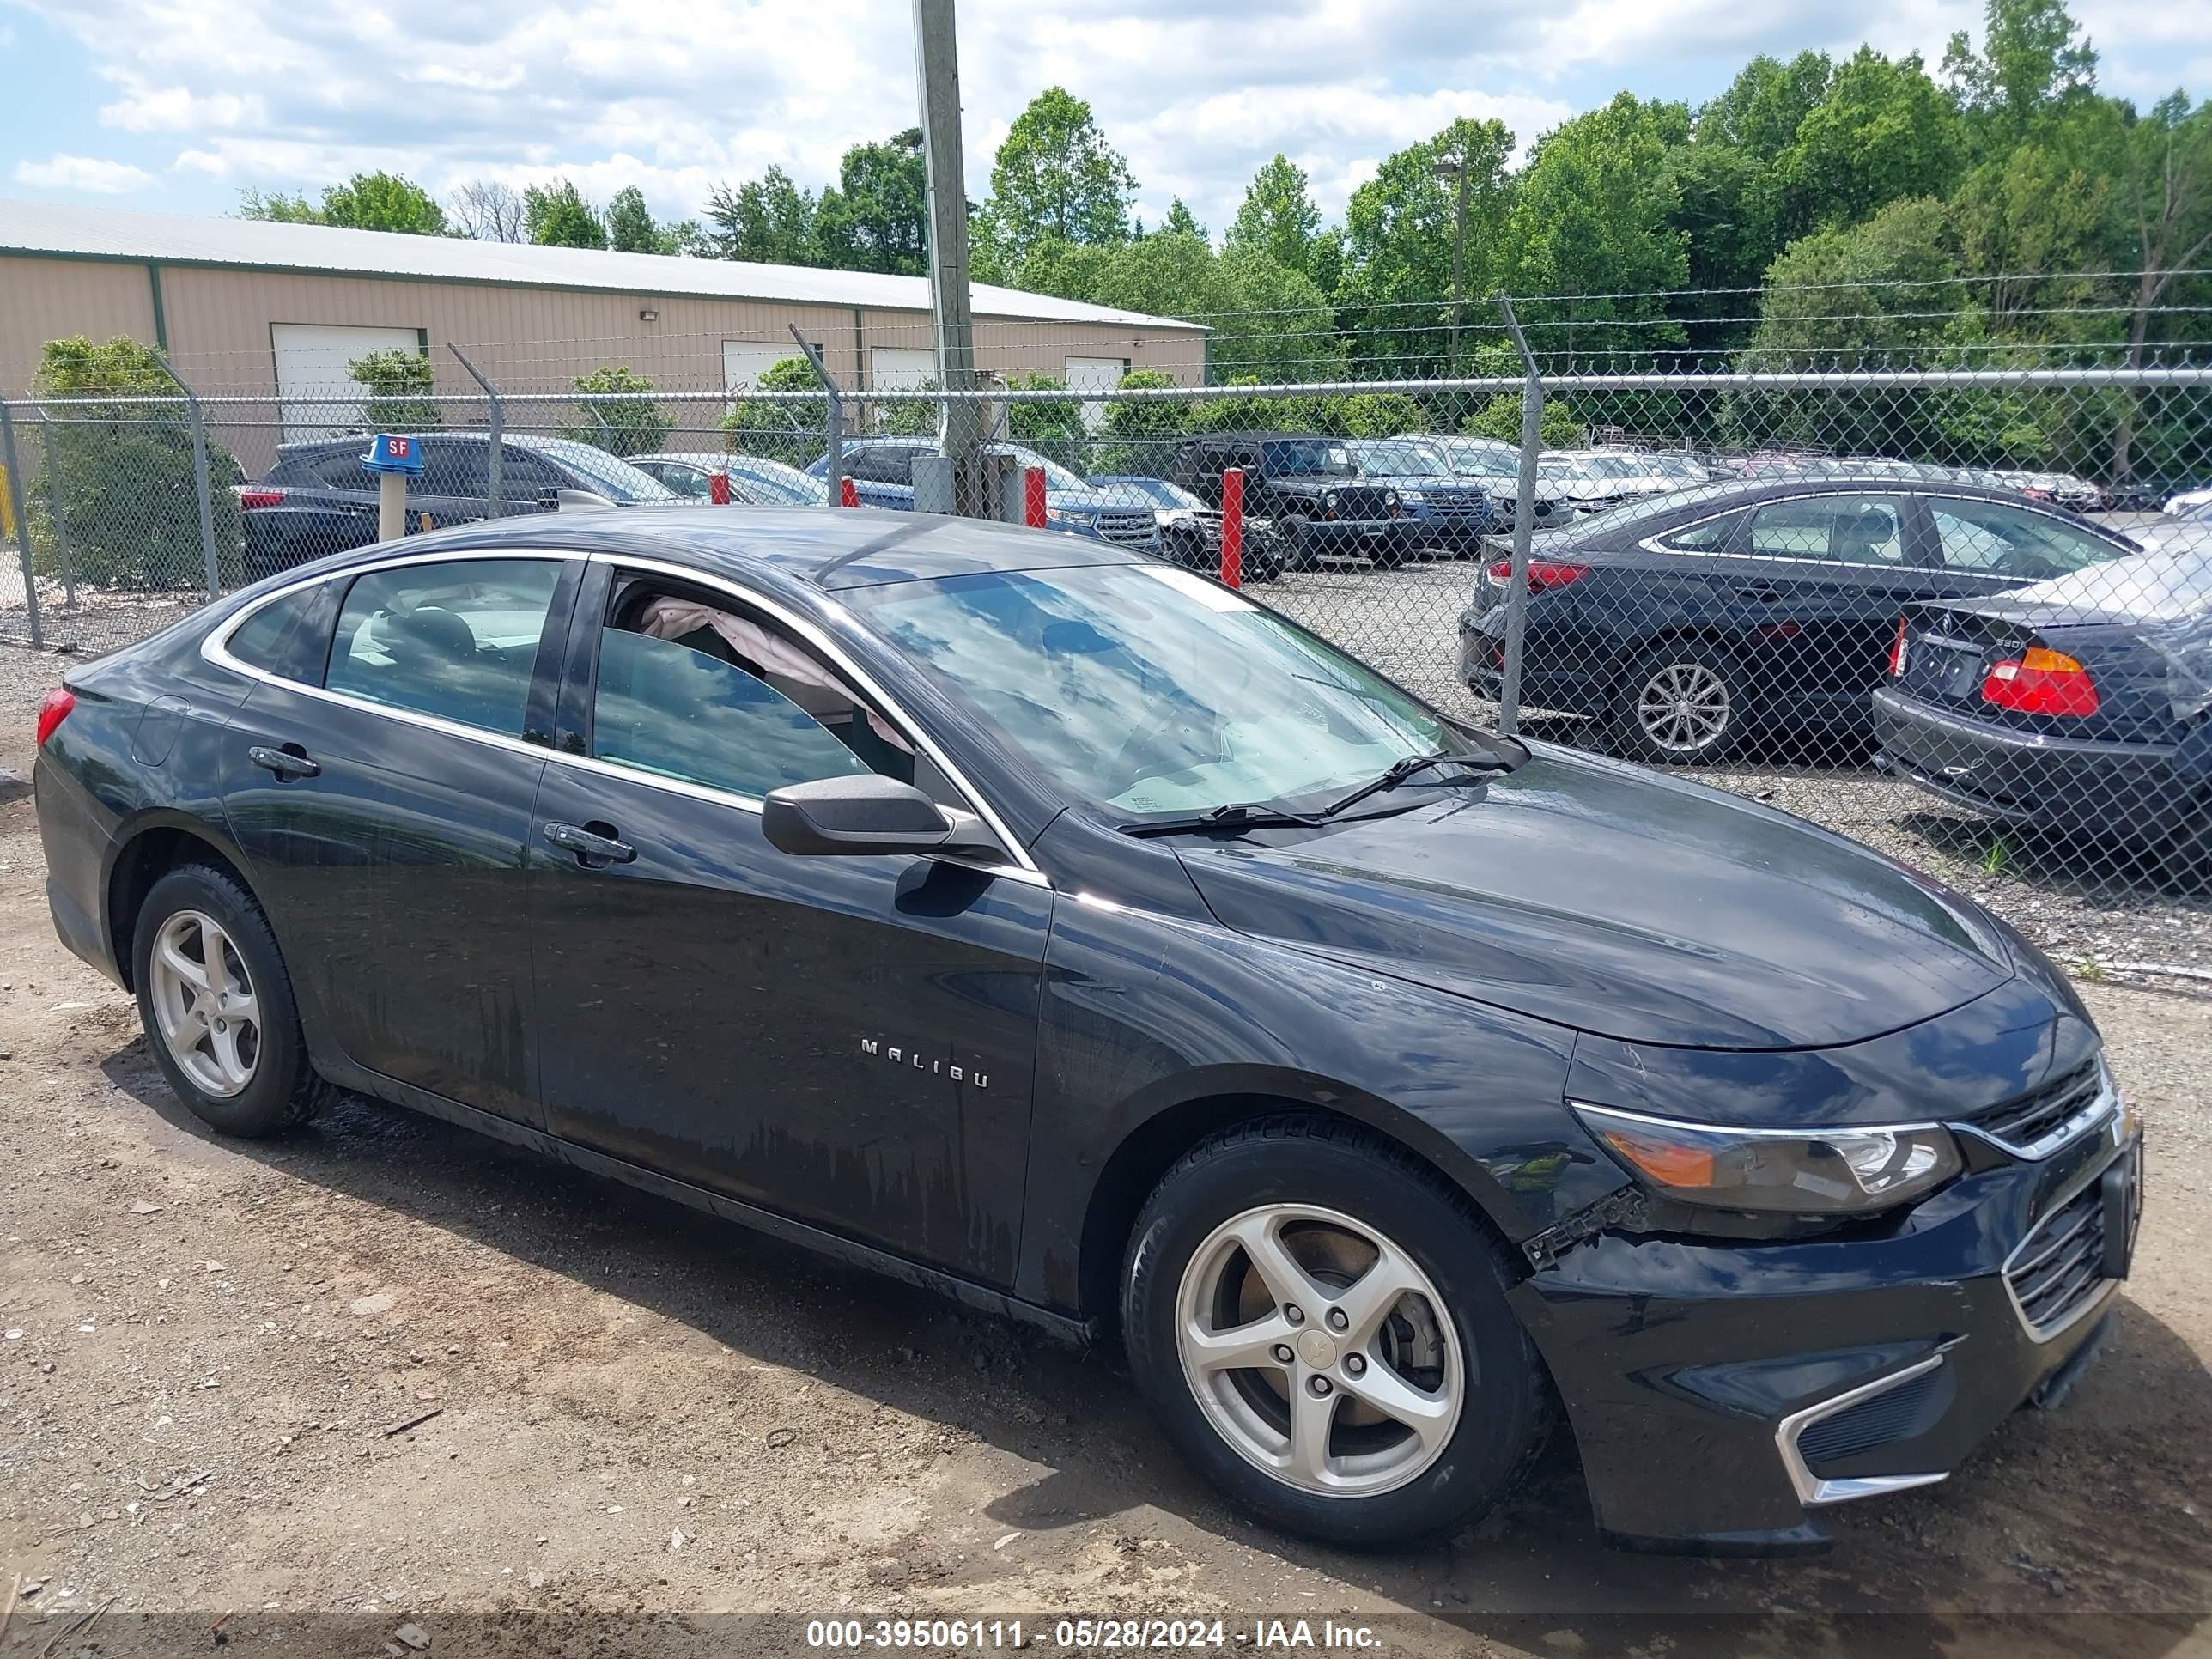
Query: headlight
[[1330, 501], [1798, 1171], [1053, 515]]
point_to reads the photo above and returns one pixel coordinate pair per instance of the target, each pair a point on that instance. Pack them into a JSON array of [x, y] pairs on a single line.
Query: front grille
[[1455, 507], [1355, 503], [2023, 1122], [2060, 1264], [1128, 526], [1899, 1413]]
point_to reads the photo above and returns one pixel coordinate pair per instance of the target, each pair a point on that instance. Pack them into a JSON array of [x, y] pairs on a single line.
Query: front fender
[[1152, 1024]]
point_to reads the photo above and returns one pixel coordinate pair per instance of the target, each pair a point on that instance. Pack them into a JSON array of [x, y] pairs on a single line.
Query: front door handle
[[290, 761], [589, 845], [1759, 593]]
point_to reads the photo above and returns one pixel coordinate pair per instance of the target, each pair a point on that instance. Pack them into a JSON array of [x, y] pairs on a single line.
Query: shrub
[[125, 468], [399, 384], [793, 433], [623, 426]]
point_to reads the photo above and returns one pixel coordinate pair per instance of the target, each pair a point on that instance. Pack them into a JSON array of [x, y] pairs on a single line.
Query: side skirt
[[1077, 1333]]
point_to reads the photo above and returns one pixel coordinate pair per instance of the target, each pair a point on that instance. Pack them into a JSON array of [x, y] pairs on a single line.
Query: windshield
[[617, 480], [1150, 689], [1158, 490], [1484, 464], [1056, 477], [1304, 456], [1398, 461]]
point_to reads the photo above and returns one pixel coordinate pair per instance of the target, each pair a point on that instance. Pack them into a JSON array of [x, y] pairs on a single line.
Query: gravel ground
[[634, 1427], [2088, 907]]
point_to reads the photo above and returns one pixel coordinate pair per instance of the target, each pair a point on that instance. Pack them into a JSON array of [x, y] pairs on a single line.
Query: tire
[[258, 1085], [1701, 721], [1455, 1332]]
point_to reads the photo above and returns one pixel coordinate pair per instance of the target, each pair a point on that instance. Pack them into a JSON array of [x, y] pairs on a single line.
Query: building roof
[[37, 228]]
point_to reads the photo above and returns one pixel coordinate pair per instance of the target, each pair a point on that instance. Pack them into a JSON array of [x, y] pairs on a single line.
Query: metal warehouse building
[[279, 310]]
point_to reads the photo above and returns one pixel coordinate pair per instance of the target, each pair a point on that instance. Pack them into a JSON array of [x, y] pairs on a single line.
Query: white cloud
[[675, 95], [84, 172]]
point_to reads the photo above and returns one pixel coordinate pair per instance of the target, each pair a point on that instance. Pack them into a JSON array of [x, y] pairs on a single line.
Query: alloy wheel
[[205, 1003], [1683, 707], [1319, 1350]]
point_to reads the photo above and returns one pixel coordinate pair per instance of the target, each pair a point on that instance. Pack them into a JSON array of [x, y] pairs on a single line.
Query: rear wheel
[[218, 1006], [1682, 703], [1321, 1323]]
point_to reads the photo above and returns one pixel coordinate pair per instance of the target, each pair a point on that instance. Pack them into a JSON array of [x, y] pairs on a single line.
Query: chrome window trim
[[214, 649], [1812, 1491]]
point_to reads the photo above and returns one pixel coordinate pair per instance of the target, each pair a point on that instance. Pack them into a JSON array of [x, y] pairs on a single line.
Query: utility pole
[[937, 73], [1456, 170]]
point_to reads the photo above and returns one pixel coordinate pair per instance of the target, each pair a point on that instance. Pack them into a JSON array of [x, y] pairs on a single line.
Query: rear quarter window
[[289, 637]]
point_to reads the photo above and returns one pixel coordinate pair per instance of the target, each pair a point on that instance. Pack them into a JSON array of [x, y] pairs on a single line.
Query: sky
[[173, 107]]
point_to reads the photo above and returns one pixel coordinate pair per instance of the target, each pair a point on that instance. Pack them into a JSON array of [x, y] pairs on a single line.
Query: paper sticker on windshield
[[1211, 595]]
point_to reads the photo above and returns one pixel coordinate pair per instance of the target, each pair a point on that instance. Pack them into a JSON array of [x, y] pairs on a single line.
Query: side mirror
[[855, 816]]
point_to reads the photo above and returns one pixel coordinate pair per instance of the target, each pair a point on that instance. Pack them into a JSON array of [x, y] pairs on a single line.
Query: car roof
[[829, 549], [1722, 495], [1264, 438]]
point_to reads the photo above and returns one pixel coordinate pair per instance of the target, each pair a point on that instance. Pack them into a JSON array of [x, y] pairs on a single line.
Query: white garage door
[[318, 398], [1095, 374], [744, 361]]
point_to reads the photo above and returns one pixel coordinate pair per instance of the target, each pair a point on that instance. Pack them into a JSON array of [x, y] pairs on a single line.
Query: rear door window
[[1830, 529], [454, 639], [1990, 539], [456, 467]]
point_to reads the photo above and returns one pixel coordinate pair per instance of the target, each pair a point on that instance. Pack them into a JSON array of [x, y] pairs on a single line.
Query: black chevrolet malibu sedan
[[1048, 925]]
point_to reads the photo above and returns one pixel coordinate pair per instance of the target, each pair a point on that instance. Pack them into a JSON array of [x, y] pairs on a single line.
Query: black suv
[[1310, 486], [317, 498]]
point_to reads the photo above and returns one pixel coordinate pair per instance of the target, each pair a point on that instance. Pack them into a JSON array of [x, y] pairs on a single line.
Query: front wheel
[[1321, 1323]]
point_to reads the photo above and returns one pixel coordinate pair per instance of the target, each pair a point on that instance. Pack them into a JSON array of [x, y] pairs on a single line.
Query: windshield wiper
[[1413, 766], [1237, 817]]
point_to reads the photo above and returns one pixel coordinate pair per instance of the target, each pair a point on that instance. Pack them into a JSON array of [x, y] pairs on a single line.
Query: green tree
[[1597, 215], [557, 215], [618, 422], [1374, 415], [1394, 261], [2167, 205], [1051, 425], [794, 432], [125, 469], [1181, 221], [631, 227], [1883, 133], [877, 218], [2030, 57], [399, 385], [1765, 104], [766, 221], [1056, 176], [1141, 436], [367, 201], [1277, 217]]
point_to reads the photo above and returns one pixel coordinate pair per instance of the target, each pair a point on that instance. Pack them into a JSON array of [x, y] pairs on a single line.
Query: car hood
[[1594, 896]]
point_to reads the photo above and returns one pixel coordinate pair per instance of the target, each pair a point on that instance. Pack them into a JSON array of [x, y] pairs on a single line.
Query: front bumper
[[1723, 1394], [2132, 791]]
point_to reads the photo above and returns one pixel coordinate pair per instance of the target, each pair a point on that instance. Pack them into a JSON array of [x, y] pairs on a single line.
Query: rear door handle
[[588, 844], [288, 762], [1759, 593]]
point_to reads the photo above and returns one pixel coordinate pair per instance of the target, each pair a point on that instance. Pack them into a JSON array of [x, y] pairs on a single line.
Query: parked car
[[754, 480], [1687, 622], [2077, 704], [1596, 481], [1190, 531], [318, 499], [2063, 487], [881, 472], [1446, 512], [1309, 487], [1044, 925], [2188, 530], [2189, 500], [1497, 467]]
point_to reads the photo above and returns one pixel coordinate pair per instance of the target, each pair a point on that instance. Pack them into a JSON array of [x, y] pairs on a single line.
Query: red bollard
[[1033, 498], [718, 488], [849, 494], [1232, 528]]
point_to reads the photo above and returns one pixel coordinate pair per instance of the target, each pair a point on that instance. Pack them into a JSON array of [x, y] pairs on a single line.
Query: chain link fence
[[1959, 609]]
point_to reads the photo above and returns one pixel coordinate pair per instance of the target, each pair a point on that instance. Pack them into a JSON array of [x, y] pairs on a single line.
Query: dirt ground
[[639, 1425]]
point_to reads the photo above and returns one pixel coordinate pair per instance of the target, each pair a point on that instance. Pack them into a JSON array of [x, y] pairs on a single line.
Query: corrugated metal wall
[[43, 299]]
